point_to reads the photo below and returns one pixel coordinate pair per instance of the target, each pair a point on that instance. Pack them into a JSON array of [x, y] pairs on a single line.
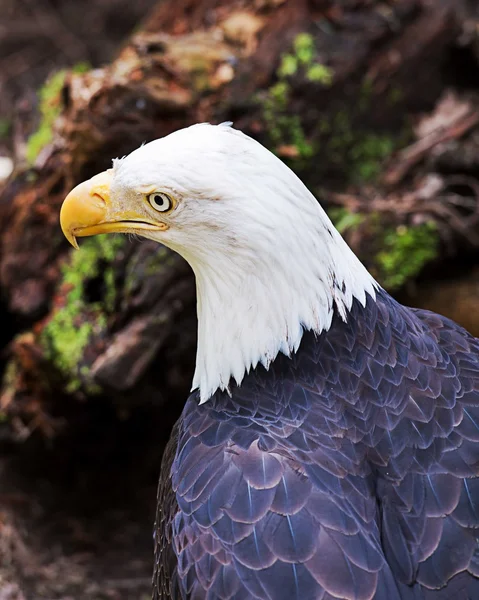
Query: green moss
[[49, 107], [278, 95], [343, 219], [351, 147], [401, 252], [320, 74], [288, 66], [109, 295], [405, 251], [10, 374], [73, 325], [156, 261], [302, 60], [9, 385], [367, 154], [395, 96], [81, 67], [5, 127], [360, 151], [304, 48], [274, 107], [285, 129], [351, 152]]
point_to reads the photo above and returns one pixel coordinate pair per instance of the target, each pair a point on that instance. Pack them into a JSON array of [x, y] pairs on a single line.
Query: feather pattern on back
[[347, 471]]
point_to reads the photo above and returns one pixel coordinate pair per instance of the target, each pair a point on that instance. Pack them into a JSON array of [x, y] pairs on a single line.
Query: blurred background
[[374, 104]]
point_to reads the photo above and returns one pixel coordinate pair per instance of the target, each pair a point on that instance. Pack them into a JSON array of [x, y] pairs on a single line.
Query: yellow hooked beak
[[87, 210]]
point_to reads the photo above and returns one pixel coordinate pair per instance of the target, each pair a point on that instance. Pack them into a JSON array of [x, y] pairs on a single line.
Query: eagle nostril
[[99, 197]]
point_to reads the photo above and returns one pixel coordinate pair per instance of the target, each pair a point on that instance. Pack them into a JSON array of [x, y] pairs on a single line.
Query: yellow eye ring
[[160, 201]]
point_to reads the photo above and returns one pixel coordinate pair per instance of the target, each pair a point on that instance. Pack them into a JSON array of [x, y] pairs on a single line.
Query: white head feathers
[[267, 259]]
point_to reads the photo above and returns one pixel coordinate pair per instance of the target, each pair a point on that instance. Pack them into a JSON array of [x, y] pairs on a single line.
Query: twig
[[411, 155]]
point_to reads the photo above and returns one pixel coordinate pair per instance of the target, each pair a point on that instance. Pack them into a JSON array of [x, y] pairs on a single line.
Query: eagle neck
[[257, 302]]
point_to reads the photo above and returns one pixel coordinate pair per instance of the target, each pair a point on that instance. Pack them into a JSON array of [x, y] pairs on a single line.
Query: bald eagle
[[330, 445]]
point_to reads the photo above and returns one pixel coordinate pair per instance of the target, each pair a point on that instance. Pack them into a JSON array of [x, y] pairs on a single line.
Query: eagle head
[[268, 261]]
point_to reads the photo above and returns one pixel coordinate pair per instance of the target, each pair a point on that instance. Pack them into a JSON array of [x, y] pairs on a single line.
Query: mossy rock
[[50, 107], [77, 321]]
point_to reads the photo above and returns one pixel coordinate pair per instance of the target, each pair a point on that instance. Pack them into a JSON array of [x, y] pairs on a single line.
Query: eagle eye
[[160, 201]]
